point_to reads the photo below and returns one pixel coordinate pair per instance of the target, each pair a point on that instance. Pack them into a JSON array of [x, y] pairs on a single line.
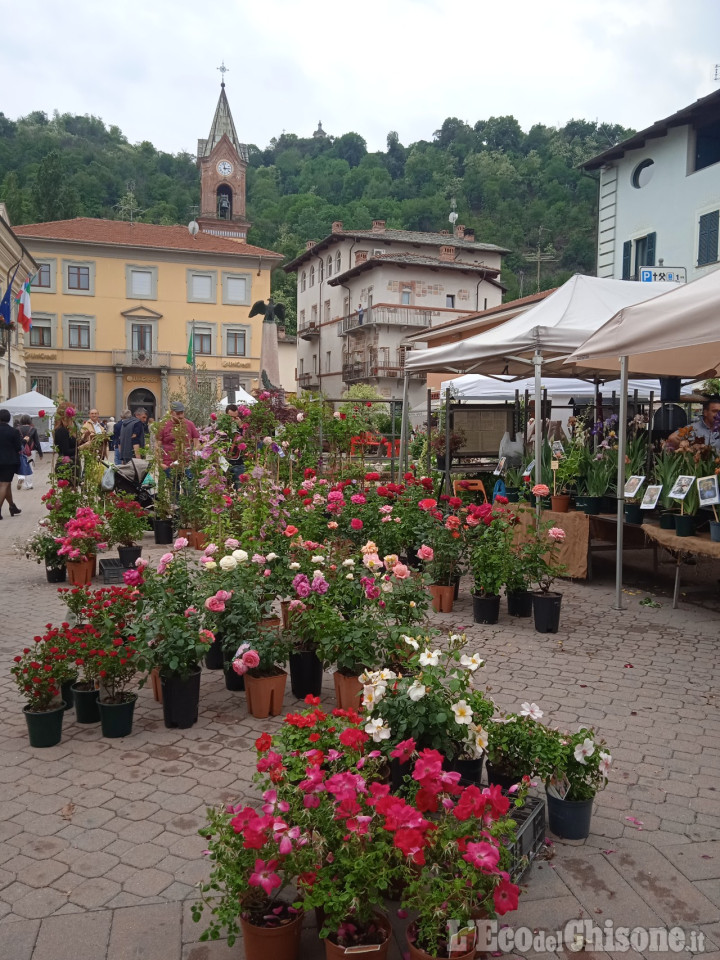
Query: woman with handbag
[[31, 445], [10, 444]]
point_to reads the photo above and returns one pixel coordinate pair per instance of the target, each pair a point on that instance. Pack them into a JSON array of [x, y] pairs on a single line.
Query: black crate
[[112, 570], [530, 835]]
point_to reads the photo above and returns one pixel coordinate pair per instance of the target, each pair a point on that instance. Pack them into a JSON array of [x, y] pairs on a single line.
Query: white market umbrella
[[241, 396], [30, 403]]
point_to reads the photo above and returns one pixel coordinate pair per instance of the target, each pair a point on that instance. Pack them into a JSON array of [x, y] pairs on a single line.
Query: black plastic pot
[[128, 556], [214, 656], [116, 719], [181, 698], [667, 521], [45, 729], [86, 704], [685, 525], [633, 513], [66, 692], [486, 607], [456, 584], [163, 531], [306, 674], [512, 494], [398, 771], [569, 819], [412, 558], [470, 771], [546, 610], [715, 531], [519, 603], [233, 681], [56, 574], [609, 505], [501, 778], [593, 505]]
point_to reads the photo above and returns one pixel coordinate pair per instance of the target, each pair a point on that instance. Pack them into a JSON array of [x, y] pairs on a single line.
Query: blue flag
[[6, 301]]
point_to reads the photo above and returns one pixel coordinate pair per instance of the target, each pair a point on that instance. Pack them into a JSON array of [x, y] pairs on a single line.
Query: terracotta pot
[[285, 613], [199, 540], [265, 695], [272, 943], [417, 954], [156, 685], [443, 597], [374, 950], [187, 533], [348, 691], [560, 503], [80, 572]]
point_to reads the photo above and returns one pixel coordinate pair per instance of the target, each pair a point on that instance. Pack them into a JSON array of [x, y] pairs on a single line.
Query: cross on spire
[[223, 70]]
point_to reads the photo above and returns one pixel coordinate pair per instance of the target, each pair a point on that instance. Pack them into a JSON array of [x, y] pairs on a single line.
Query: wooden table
[[680, 547], [603, 530]]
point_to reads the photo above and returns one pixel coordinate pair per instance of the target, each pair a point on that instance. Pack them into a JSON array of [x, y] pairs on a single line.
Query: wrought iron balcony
[[360, 370], [309, 331], [385, 316], [140, 358], [309, 381]]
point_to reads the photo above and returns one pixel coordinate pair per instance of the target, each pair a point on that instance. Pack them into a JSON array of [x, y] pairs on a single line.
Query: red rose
[[356, 524], [41, 413]]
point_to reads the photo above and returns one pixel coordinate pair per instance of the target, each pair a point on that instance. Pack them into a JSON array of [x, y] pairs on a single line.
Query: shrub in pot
[[126, 522], [488, 560], [580, 768], [44, 548], [118, 663], [539, 552], [34, 674], [263, 665], [515, 746]]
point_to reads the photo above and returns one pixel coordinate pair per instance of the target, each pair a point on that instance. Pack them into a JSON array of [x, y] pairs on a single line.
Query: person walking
[[66, 444], [178, 438], [10, 446], [133, 435], [93, 437], [31, 446], [117, 429], [235, 455]]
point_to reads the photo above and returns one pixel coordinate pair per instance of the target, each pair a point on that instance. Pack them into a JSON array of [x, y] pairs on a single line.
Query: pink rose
[[207, 636], [239, 667], [214, 605], [356, 524], [425, 553], [181, 543], [401, 571], [557, 534], [224, 594], [231, 543], [540, 490], [210, 549], [251, 659]]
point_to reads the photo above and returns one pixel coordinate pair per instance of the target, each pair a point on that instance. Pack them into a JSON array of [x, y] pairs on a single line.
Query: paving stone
[[151, 932], [41, 873], [699, 861], [94, 893], [148, 882], [17, 940], [39, 903], [76, 937]]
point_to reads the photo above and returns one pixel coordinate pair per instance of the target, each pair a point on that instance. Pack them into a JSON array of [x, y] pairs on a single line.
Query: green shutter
[[627, 259], [650, 253], [708, 240]]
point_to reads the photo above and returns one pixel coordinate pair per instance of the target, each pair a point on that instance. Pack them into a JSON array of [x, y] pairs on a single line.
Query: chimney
[[444, 233], [378, 226], [361, 256], [309, 244], [470, 234], [447, 254], [460, 230], [337, 226]]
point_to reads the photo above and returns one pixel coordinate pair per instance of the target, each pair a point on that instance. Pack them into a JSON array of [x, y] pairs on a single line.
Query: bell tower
[[223, 161]]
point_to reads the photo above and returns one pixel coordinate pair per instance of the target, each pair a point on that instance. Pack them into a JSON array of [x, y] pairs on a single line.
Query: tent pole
[[537, 362], [649, 462], [622, 438], [429, 428], [447, 440], [404, 424]]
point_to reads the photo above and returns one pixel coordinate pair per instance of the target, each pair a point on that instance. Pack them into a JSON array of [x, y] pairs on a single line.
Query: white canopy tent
[[241, 396], [676, 335], [475, 386], [31, 403]]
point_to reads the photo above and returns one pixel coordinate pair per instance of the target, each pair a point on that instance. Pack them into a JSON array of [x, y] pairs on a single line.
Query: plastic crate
[[112, 570], [530, 835]]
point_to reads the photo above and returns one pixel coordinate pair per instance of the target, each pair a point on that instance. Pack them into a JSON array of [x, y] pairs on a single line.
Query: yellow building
[[114, 302]]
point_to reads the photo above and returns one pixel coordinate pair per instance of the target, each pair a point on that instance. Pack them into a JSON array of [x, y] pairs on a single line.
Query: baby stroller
[[132, 478]]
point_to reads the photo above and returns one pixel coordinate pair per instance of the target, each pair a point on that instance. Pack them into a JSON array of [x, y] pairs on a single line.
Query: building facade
[[115, 302], [659, 199], [16, 265], [360, 293]]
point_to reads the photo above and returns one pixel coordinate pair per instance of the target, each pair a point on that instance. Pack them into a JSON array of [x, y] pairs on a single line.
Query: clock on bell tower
[[223, 161]]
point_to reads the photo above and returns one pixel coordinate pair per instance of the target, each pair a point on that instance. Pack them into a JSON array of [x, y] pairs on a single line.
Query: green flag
[[191, 351]]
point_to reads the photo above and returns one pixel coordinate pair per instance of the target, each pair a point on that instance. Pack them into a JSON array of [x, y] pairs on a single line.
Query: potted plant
[[581, 769], [126, 523], [598, 476], [515, 746], [85, 689], [668, 466], [265, 677], [84, 535], [439, 446], [540, 553], [34, 675], [488, 563], [118, 661], [518, 578], [570, 468], [44, 548], [443, 536], [514, 484]]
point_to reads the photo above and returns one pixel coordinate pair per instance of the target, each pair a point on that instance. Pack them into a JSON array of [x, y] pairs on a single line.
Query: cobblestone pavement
[[99, 851]]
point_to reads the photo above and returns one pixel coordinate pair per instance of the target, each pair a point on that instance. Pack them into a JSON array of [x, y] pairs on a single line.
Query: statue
[[273, 313]]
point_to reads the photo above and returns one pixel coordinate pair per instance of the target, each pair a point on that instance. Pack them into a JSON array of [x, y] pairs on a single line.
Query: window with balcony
[[313, 314], [450, 301], [236, 343], [301, 319], [405, 297], [78, 277], [79, 335], [141, 341], [201, 286], [141, 282]]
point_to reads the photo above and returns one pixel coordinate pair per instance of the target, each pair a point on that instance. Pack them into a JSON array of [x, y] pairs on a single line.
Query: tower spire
[[223, 70]]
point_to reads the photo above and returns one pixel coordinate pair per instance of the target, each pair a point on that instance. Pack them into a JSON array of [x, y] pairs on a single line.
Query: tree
[[52, 197], [14, 198], [350, 147]]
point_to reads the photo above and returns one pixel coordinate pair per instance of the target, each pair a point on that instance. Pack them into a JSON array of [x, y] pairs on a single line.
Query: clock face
[[224, 168]]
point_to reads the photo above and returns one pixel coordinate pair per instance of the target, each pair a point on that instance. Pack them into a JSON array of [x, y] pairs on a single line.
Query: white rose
[[377, 730], [271, 556], [430, 658], [210, 565], [472, 663], [228, 563], [386, 586], [349, 576], [462, 711], [295, 566], [300, 417], [317, 559], [416, 691], [348, 563], [240, 555]]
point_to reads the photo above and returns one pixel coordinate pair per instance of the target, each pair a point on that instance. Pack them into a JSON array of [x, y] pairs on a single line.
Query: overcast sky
[[370, 66]]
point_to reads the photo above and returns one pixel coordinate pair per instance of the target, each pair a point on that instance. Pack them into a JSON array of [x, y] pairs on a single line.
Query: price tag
[[554, 464]]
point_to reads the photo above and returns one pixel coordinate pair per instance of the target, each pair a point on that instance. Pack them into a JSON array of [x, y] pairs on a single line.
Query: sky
[[370, 66]]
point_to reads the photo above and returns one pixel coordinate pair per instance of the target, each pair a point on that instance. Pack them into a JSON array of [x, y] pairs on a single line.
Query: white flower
[[605, 763], [377, 730], [531, 710], [416, 691], [462, 711], [318, 573], [457, 638], [386, 675], [369, 698], [473, 662], [430, 658], [271, 556], [317, 559], [240, 555], [349, 576], [228, 563], [411, 642], [386, 586], [295, 566], [481, 739], [584, 749], [348, 563], [300, 417], [210, 565]]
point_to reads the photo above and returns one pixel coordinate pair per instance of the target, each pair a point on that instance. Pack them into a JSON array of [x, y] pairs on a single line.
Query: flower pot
[[443, 597], [470, 771], [633, 513], [560, 503], [163, 531], [519, 603], [456, 588], [116, 719], [80, 572], [272, 943], [233, 681], [198, 539], [56, 574], [265, 695], [569, 819], [715, 531], [440, 461], [684, 525], [306, 674], [66, 693], [667, 521], [501, 777], [486, 607], [156, 685], [128, 556], [180, 698], [214, 656], [580, 502], [86, 704], [593, 505], [348, 691], [512, 494], [45, 728], [608, 505], [416, 953], [546, 610], [374, 950], [398, 772], [285, 614]]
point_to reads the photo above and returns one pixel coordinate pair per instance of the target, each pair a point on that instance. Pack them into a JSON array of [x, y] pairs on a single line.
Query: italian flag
[[24, 310]]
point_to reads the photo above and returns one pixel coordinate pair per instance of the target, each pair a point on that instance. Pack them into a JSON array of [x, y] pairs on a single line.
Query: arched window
[[320, 271], [338, 261], [329, 266], [224, 199], [312, 276], [303, 280]]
